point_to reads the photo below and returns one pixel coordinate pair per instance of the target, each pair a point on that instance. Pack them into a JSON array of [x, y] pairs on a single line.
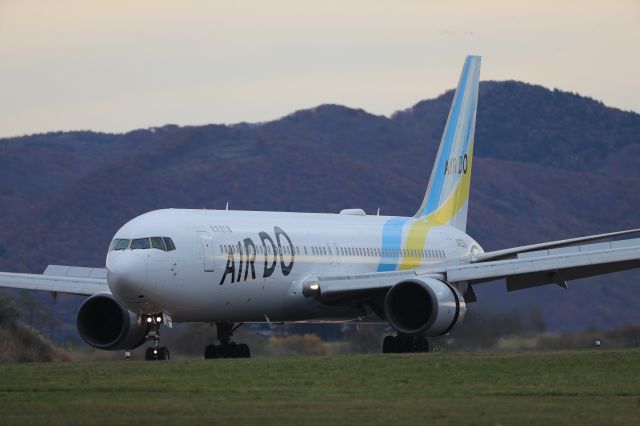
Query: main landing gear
[[226, 348], [156, 352], [404, 343]]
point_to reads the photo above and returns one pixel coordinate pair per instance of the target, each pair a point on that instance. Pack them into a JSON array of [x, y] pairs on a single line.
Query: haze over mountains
[[548, 165]]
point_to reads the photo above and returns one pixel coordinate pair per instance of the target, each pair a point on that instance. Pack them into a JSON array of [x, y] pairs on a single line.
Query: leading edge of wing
[[514, 251], [85, 286], [331, 288]]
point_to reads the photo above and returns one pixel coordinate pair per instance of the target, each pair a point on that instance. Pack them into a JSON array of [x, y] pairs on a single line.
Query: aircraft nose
[[126, 274]]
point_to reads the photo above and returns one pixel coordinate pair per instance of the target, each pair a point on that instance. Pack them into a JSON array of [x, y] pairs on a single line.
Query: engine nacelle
[[424, 305], [104, 324]]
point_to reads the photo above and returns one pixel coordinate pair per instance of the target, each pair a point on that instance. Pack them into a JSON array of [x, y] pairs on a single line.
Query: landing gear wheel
[[389, 345], [157, 354], [421, 344], [149, 355], [226, 348], [163, 354], [244, 351], [230, 350], [211, 351], [405, 344]]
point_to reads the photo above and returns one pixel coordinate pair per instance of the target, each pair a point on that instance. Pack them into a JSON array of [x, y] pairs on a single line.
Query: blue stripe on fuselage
[[391, 240]]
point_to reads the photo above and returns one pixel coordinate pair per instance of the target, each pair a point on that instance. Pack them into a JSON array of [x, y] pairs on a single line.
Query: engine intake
[[424, 305], [104, 324]]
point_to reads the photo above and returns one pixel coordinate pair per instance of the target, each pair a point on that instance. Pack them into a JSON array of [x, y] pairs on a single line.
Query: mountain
[[548, 165]]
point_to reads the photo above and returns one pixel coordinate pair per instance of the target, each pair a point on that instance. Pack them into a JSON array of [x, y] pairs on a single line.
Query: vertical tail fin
[[447, 197]]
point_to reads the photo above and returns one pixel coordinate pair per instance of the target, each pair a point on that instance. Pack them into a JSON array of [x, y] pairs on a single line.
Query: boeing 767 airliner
[[233, 267]]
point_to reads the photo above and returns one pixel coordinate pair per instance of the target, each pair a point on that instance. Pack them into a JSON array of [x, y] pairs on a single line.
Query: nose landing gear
[[156, 352], [226, 348]]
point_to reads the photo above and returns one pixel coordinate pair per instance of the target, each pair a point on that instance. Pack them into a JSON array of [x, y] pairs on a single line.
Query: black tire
[[424, 344], [244, 351], [210, 352], [389, 345], [163, 354], [231, 350], [150, 354]]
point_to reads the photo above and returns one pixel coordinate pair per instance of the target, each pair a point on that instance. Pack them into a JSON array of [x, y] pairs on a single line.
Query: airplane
[[229, 268]]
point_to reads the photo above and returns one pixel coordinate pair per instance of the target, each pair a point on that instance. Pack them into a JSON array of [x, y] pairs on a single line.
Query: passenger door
[[208, 250]]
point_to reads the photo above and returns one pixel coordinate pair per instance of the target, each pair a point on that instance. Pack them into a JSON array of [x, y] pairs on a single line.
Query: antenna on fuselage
[[227, 206], [378, 213]]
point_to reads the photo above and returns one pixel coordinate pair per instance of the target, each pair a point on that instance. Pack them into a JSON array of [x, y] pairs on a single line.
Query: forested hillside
[[548, 165]]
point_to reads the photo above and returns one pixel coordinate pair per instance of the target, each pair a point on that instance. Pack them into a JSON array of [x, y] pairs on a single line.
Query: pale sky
[[120, 65]]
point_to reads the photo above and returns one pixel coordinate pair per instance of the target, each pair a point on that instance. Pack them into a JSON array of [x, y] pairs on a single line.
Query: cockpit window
[[156, 243], [140, 243], [169, 243], [160, 243], [121, 244]]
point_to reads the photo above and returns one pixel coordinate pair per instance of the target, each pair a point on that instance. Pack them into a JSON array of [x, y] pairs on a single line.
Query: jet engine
[[424, 306], [104, 324]]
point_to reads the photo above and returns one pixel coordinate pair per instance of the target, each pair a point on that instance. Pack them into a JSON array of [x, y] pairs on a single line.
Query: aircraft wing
[[527, 269], [60, 279], [559, 265]]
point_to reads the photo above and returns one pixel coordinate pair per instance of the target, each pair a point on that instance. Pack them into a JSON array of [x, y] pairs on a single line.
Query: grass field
[[575, 387]]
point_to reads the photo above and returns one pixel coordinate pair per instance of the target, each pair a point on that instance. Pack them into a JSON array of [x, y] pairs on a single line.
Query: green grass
[[573, 387]]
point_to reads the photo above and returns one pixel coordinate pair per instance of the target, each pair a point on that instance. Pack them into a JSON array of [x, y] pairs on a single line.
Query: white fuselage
[[244, 266]]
